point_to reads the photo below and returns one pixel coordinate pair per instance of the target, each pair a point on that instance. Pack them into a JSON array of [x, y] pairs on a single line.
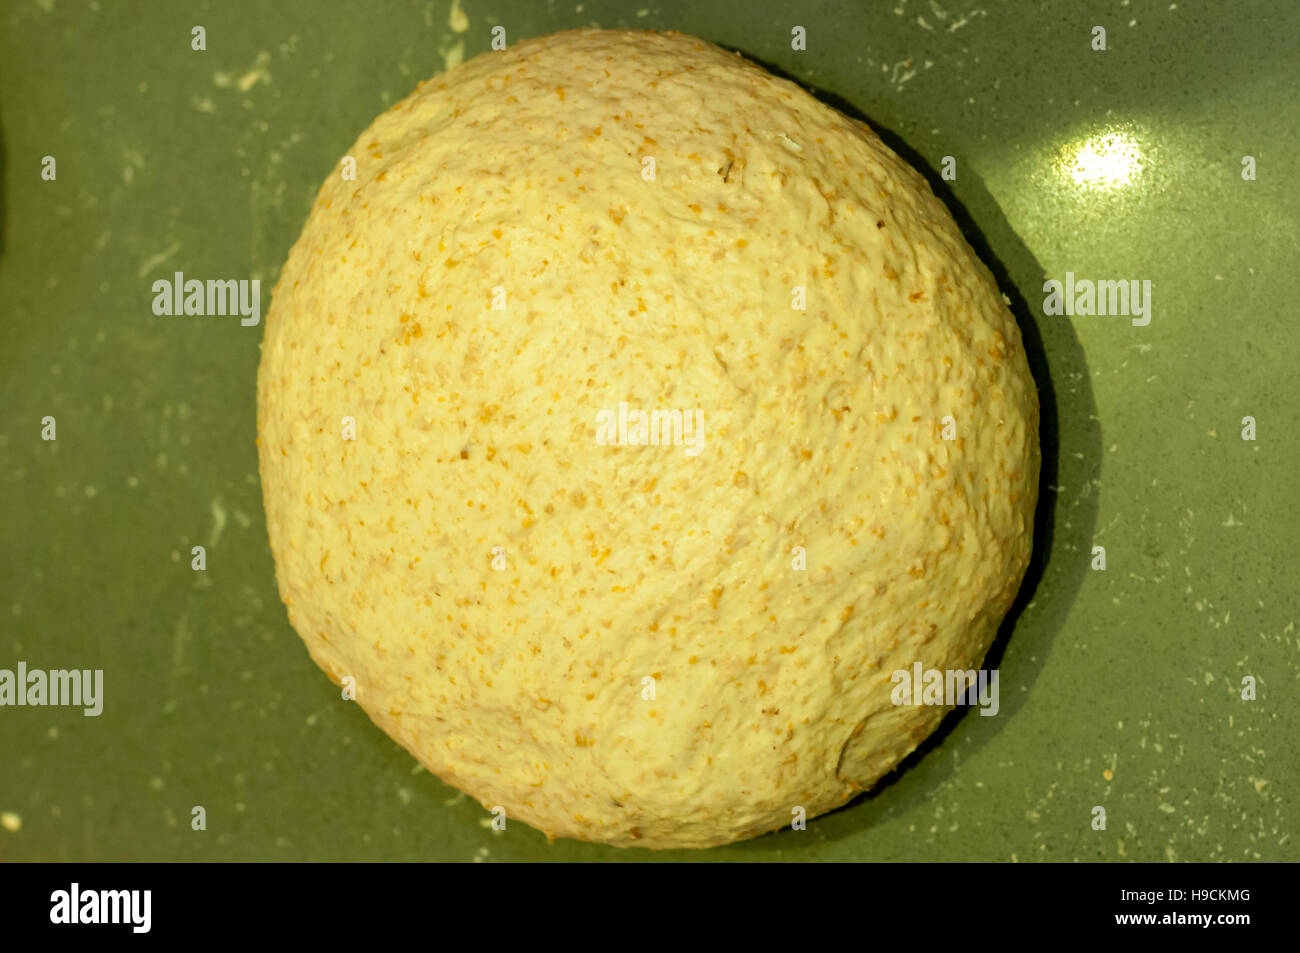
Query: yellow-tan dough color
[[521, 178]]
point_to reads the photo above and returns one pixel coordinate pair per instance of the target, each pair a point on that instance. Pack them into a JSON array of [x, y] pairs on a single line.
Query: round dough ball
[[672, 643]]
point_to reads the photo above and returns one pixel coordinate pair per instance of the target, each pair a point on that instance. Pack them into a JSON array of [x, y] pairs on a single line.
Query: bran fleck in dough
[[521, 177]]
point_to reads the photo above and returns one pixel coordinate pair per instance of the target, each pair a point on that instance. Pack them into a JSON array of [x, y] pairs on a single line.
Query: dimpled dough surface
[[522, 172]]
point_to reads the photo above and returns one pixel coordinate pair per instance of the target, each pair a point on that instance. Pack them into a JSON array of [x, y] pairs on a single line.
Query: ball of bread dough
[[626, 421]]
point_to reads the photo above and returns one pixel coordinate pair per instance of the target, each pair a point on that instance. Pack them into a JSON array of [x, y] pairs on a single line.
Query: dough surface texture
[[619, 643]]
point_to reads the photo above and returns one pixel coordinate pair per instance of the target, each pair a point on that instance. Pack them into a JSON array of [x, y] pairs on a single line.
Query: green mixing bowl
[[1121, 687]]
